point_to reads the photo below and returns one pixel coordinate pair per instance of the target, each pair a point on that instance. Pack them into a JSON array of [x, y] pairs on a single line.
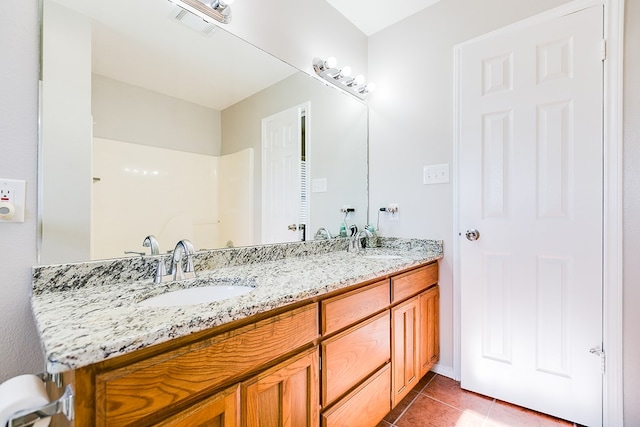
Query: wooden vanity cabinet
[[183, 379], [415, 336], [342, 360]]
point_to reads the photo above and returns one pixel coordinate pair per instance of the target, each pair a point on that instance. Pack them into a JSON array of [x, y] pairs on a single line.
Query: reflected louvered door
[[530, 121]]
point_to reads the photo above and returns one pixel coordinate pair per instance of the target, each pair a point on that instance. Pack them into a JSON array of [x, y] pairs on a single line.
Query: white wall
[[236, 191], [411, 123], [296, 31], [66, 134], [19, 347]]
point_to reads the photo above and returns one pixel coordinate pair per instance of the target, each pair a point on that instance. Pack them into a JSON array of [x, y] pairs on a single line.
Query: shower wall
[[140, 190]]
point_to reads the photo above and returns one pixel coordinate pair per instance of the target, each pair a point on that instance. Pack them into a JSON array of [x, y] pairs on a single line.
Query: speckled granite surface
[[89, 312]]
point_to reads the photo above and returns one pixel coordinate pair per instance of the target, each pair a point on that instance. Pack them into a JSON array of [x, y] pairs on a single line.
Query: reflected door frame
[[612, 185]]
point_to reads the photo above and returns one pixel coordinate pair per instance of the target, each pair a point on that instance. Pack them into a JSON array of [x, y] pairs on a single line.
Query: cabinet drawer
[[343, 310], [366, 406], [411, 283], [353, 355], [126, 395]]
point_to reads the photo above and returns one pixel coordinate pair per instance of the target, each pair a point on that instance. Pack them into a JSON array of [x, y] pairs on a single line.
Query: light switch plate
[[319, 185], [435, 174], [12, 200]]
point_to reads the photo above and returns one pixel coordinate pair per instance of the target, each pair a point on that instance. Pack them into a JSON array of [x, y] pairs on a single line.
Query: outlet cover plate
[[15, 192]]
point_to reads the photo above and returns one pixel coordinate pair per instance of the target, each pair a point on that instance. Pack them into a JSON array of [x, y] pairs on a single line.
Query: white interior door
[[281, 176], [531, 176]]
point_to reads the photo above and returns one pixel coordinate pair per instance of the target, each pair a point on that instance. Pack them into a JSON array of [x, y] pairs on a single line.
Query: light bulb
[[370, 87], [359, 79], [331, 62], [346, 71], [228, 2]]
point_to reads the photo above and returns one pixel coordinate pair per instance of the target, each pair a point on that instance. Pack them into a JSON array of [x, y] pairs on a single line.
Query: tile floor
[[438, 401]]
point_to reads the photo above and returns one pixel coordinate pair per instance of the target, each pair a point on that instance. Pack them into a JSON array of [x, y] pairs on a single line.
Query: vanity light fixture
[[217, 10], [341, 77]]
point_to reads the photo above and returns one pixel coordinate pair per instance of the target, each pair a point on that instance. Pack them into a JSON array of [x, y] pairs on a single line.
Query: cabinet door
[[285, 395], [405, 357], [220, 410], [429, 329]]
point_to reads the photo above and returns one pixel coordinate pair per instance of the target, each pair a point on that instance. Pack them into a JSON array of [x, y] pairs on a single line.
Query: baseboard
[[445, 371]]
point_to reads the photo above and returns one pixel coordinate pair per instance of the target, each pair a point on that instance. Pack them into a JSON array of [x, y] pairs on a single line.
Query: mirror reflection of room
[[163, 131]]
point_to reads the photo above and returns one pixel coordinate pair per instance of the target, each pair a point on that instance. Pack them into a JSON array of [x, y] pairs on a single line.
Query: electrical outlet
[[12, 200], [347, 210], [392, 211], [435, 174]]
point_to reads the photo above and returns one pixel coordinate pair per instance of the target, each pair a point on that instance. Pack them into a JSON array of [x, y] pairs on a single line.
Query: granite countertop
[[93, 320]]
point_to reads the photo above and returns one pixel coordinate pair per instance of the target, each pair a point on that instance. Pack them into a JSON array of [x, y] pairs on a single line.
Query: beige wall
[[128, 113], [632, 214]]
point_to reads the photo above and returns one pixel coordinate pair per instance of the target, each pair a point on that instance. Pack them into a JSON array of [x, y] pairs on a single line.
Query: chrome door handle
[[472, 234], [293, 227]]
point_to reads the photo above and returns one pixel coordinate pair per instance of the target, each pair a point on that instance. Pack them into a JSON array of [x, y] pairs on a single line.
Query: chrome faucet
[[184, 247], [152, 242], [355, 243], [320, 232]]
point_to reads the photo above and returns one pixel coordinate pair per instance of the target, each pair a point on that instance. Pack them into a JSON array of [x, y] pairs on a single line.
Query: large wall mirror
[[154, 122]]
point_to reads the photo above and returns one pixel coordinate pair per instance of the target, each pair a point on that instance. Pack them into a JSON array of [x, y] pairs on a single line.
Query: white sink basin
[[196, 295], [382, 256]]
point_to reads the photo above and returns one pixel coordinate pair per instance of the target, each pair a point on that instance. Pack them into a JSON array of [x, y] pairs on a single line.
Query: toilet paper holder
[[63, 405]]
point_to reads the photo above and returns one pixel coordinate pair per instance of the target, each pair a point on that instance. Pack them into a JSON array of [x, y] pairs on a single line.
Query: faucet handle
[[161, 273]]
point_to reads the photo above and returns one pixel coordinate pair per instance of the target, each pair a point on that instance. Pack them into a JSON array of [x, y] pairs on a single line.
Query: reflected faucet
[[355, 243], [322, 231], [184, 247], [152, 242]]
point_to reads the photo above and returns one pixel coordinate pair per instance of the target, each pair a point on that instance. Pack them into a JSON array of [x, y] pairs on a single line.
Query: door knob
[[472, 234], [293, 227]]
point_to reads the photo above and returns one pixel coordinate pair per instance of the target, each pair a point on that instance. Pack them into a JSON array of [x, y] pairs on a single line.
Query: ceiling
[[371, 16], [175, 58]]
